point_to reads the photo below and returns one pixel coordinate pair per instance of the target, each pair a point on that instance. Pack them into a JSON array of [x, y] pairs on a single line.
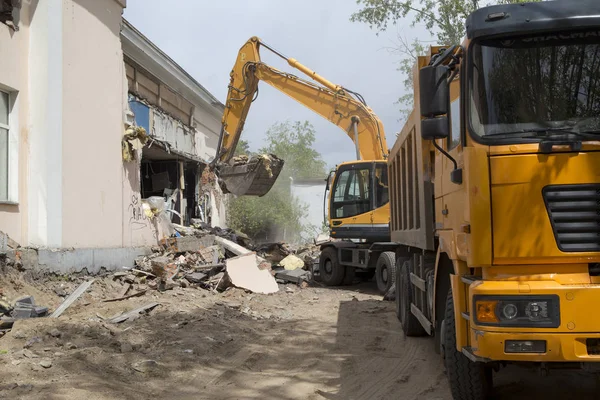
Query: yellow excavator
[[357, 194]]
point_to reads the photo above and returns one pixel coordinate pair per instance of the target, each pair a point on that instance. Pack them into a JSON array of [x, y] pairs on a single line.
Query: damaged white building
[[76, 84]]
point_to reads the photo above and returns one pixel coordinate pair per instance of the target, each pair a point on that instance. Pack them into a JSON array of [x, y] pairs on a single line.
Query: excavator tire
[[385, 271], [332, 273], [468, 380], [404, 293]]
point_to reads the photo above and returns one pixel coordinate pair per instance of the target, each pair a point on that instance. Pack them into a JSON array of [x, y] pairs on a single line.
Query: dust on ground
[[300, 343]]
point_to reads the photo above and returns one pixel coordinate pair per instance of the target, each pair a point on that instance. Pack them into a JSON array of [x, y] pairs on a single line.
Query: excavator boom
[[331, 101]]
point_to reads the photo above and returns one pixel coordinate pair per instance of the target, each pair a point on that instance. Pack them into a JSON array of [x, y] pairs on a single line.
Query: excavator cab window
[[381, 185], [351, 194]]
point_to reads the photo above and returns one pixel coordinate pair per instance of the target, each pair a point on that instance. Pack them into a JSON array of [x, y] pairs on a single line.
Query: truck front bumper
[[560, 347], [577, 339]]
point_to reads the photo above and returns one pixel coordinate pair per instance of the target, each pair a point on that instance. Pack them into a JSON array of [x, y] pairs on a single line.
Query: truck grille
[[574, 212]]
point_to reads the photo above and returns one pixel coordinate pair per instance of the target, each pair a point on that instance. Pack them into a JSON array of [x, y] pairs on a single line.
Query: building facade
[[75, 80]]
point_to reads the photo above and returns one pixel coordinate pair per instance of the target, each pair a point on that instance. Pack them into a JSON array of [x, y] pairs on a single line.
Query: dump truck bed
[[410, 165]]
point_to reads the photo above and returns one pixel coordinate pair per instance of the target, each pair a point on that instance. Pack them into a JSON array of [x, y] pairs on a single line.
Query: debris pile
[[22, 308], [216, 259]]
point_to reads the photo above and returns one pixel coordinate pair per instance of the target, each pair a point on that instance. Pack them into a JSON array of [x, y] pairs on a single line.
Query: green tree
[[443, 19], [278, 212], [242, 148]]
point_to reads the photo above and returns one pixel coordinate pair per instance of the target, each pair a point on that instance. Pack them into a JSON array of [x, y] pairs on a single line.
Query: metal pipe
[[355, 121], [295, 64]]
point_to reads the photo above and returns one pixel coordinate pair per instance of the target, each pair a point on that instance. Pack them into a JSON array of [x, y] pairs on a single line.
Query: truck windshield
[[530, 83]]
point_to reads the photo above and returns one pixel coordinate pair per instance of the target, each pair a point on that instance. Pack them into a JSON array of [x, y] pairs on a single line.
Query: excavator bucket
[[250, 177]]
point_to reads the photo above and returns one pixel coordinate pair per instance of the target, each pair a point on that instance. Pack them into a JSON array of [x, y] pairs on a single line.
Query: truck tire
[[468, 380], [404, 294], [349, 275], [332, 273], [385, 271]]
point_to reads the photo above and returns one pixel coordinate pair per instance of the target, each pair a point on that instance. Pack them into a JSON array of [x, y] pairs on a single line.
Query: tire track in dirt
[[384, 363]]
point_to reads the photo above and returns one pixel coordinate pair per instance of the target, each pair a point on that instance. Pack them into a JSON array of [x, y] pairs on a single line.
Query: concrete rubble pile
[[195, 257], [216, 259]]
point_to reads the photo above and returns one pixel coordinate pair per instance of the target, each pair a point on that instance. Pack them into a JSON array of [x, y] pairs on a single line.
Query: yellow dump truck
[[495, 194]]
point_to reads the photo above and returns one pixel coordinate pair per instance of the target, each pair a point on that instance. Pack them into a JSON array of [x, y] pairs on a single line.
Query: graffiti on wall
[[138, 220]]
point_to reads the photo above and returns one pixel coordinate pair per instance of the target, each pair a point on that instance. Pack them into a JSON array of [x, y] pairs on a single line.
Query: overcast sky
[[204, 36]]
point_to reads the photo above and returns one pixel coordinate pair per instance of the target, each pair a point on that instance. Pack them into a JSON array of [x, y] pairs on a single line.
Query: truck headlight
[[517, 311]]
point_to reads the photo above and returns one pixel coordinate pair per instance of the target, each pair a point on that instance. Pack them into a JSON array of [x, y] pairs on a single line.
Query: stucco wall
[[92, 124], [14, 51]]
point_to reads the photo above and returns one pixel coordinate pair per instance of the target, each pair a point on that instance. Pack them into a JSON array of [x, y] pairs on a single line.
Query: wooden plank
[[132, 313], [126, 288], [138, 271], [136, 294], [71, 299]]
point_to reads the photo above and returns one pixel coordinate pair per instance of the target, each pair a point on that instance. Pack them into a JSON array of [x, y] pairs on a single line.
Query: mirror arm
[[456, 174], [444, 152]]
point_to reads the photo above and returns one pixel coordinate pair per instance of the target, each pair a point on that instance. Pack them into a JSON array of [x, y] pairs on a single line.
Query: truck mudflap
[[253, 176]]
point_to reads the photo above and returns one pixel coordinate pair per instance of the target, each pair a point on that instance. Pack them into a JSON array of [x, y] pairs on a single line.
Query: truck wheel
[[468, 380], [404, 293], [385, 271], [332, 273], [349, 275]]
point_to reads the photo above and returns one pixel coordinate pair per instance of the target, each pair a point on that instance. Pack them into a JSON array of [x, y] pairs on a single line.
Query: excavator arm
[[340, 106]]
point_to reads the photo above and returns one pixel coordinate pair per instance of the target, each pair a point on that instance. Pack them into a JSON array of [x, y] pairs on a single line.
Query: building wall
[[92, 124], [14, 77], [69, 184]]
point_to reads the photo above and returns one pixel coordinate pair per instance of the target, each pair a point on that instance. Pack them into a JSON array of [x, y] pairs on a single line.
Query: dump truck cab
[[504, 146]]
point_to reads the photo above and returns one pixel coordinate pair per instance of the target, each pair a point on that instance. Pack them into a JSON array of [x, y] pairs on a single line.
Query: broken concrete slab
[[245, 273], [292, 262], [322, 239], [192, 243], [7, 243], [210, 254], [232, 247], [294, 276], [71, 299], [196, 277]]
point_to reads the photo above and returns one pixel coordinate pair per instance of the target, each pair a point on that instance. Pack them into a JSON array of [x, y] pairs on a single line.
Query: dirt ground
[[310, 343]]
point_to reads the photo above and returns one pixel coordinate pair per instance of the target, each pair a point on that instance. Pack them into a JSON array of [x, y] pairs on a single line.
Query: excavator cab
[[359, 189]]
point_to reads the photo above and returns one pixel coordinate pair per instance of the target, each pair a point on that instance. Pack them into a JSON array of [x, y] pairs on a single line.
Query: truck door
[[450, 199]]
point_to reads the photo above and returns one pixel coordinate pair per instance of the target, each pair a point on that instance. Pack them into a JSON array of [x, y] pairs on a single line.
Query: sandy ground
[[311, 343]]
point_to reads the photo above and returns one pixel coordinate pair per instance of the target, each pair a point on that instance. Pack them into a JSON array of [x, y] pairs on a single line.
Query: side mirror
[[434, 91], [435, 128]]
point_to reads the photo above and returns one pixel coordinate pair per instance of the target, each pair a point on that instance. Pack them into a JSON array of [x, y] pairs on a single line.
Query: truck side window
[[454, 139]]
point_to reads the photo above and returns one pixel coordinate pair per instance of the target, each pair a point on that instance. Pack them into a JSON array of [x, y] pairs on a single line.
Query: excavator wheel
[[385, 271], [332, 273], [468, 380]]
